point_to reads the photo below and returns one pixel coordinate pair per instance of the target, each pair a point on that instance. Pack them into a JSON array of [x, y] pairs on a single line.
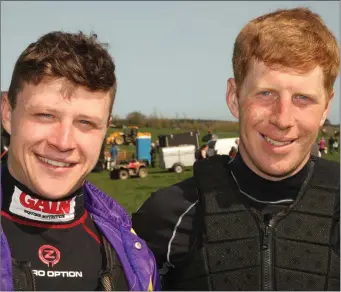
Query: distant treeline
[[158, 122]]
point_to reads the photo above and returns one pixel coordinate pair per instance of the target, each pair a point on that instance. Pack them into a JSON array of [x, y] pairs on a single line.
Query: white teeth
[[54, 163], [276, 143]]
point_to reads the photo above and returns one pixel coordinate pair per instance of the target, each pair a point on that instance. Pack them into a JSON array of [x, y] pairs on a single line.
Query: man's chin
[[54, 188], [279, 171], [54, 192]]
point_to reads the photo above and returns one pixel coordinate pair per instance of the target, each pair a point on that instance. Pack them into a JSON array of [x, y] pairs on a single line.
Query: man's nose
[[63, 137], [283, 113]]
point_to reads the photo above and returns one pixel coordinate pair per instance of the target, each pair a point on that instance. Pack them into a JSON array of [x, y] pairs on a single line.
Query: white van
[[221, 146]]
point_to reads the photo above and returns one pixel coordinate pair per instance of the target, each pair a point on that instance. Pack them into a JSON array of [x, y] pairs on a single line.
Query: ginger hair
[[293, 38]]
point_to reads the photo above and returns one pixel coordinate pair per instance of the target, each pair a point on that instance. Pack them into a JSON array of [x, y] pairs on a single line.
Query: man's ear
[[327, 109], [6, 113], [109, 121], [232, 98]]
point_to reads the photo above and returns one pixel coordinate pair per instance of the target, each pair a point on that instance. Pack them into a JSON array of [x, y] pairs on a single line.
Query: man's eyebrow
[[91, 118], [41, 108], [48, 109]]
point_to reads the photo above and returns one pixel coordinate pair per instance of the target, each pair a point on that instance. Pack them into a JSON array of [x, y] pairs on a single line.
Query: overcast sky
[[172, 58]]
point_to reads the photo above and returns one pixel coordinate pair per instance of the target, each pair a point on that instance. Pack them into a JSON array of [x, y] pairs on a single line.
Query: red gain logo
[[54, 207], [49, 255]]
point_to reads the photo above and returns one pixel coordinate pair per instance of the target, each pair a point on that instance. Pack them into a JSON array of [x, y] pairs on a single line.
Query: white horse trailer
[[177, 158]]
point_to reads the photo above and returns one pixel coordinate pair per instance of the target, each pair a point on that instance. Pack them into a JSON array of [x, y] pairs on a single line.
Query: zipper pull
[[267, 230], [265, 243]]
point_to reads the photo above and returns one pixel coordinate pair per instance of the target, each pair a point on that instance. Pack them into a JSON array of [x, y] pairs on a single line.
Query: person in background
[[209, 136], [201, 153], [336, 145], [157, 146], [58, 231], [322, 145], [153, 154], [233, 152], [315, 150], [114, 154], [270, 218], [331, 144]]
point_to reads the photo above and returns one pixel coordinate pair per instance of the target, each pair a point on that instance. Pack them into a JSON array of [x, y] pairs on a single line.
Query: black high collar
[[20, 201], [266, 190]]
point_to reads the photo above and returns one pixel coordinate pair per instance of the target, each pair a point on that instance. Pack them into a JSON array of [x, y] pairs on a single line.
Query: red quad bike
[[132, 168]]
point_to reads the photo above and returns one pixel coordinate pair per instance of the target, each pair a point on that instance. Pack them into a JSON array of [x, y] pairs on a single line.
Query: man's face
[[56, 136], [280, 113]]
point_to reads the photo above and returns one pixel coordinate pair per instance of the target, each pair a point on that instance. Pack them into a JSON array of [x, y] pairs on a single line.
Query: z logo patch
[[49, 255]]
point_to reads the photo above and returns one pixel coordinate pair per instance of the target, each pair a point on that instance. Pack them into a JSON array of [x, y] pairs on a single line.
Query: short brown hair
[[78, 58], [294, 38]]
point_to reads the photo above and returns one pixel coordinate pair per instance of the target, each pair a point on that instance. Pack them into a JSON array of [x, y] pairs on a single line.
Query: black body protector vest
[[241, 249]]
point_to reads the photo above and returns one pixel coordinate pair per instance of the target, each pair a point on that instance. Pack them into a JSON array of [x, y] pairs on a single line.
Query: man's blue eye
[[44, 115], [302, 97], [88, 123], [265, 93]]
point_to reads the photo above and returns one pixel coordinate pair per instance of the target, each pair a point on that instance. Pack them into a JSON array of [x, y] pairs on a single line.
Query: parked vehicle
[[127, 137], [177, 158], [129, 169], [221, 146], [188, 138], [117, 137]]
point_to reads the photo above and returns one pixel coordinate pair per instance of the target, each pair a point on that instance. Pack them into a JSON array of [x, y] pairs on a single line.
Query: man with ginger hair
[[269, 219], [58, 231]]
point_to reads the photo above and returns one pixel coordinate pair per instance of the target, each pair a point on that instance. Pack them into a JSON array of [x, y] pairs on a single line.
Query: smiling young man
[[269, 219], [59, 232]]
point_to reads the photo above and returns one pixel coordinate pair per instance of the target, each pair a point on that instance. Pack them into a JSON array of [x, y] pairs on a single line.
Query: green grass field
[[133, 192], [335, 156]]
